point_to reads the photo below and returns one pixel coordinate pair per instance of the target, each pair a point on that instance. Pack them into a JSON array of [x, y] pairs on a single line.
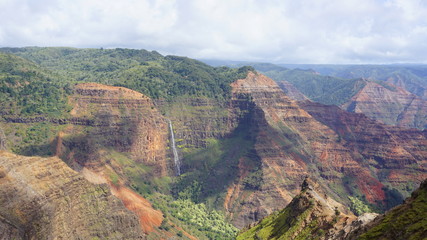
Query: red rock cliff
[[390, 105], [291, 143]]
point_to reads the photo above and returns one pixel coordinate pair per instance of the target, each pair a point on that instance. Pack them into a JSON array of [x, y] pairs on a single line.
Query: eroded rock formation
[[311, 214], [390, 105], [42, 198], [125, 120], [344, 155]]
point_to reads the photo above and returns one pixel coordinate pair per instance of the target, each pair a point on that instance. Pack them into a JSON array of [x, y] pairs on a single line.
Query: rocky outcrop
[[390, 105], [42, 198], [112, 136], [311, 214]]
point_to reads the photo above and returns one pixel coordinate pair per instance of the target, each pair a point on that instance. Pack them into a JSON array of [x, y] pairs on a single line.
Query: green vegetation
[[34, 138], [147, 72], [319, 88], [408, 221], [283, 225], [358, 207], [196, 219], [209, 171], [26, 89]]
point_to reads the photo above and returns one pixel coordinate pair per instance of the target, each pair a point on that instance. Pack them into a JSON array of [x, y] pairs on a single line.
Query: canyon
[[333, 146], [243, 154]]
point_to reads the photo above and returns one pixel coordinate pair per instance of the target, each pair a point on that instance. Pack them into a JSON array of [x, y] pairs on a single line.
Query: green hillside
[[407, 221], [147, 72], [319, 88], [411, 77], [28, 89]]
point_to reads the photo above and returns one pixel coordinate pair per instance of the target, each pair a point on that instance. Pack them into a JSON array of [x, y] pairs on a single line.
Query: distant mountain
[[389, 104], [411, 77], [318, 88], [375, 90]]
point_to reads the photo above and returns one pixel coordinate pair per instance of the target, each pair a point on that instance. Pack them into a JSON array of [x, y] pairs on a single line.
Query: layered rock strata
[[291, 143], [42, 198], [125, 120], [390, 105]]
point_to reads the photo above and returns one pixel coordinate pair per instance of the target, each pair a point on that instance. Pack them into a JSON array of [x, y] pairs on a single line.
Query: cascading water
[[175, 152]]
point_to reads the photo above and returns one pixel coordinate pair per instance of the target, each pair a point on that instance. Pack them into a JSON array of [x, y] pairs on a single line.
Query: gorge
[[244, 145]]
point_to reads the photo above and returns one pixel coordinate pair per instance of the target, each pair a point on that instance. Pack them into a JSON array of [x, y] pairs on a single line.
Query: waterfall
[[175, 152]]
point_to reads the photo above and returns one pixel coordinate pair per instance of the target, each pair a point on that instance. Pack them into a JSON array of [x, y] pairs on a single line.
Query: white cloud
[[311, 31]]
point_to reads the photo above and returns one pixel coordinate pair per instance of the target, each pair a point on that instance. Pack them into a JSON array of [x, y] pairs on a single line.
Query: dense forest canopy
[[147, 72]]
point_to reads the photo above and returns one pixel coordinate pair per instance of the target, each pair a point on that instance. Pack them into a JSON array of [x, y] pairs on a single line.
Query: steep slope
[[114, 136], [406, 221], [117, 118], [313, 215], [412, 78], [317, 87], [291, 91], [42, 198], [395, 153], [390, 105], [310, 215], [290, 142]]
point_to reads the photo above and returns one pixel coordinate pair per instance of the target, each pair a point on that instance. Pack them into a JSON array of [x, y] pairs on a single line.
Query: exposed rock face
[[310, 215], [395, 153], [42, 198], [107, 121], [313, 215], [196, 119], [291, 91], [390, 105], [291, 142], [124, 120]]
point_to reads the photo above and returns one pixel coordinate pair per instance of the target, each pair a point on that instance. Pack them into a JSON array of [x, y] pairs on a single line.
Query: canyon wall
[[292, 141], [42, 198], [390, 105]]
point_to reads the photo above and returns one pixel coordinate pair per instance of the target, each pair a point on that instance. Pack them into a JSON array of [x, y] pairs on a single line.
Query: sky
[[277, 31]]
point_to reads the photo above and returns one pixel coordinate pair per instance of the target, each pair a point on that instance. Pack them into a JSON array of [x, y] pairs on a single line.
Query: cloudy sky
[[280, 31]]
